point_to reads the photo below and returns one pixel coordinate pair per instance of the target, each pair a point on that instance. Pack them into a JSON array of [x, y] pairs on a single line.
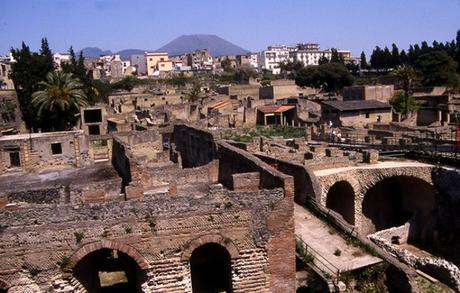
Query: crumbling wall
[[36, 151], [160, 229], [447, 182], [306, 184], [196, 146]]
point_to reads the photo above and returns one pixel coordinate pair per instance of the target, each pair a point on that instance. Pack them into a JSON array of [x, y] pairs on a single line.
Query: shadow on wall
[[306, 185], [341, 199], [108, 270], [211, 269], [397, 200]]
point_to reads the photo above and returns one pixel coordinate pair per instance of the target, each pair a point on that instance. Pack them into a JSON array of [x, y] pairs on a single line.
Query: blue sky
[[148, 24]]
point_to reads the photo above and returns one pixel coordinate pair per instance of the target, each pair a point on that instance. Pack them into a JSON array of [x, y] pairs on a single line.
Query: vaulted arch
[[108, 244], [341, 199], [396, 200]]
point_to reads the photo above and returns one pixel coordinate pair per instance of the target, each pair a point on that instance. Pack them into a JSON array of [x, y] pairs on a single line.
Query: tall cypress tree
[[395, 57], [363, 60], [28, 70], [411, 55], [403, 57], [457, 49], [387, 60], [376, 58]]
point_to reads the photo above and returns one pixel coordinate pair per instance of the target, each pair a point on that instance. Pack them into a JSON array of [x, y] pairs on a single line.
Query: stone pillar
[[265, 119], [439, 115], [371, 156], [76, 146]]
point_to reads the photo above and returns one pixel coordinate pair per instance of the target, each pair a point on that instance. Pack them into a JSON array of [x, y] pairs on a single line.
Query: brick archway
[[108, 244], [375, 179], [341, 199], [215, 238]]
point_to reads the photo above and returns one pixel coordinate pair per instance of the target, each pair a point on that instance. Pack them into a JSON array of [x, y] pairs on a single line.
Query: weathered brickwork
[[363, 179], [52, 231], [42, 151]]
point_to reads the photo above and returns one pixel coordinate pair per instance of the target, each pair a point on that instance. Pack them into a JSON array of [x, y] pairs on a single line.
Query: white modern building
[[308, 54], [253, 60], [273, 56], [309, 58], [59, 58]]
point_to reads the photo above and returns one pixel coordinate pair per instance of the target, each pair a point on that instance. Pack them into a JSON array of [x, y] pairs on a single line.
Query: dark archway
[[109, 271], [397, 200], [341, 199], [211, 269]]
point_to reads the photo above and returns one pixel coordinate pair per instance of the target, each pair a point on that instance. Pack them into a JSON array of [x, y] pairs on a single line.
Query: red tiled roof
[[275, 109], [223, 104]]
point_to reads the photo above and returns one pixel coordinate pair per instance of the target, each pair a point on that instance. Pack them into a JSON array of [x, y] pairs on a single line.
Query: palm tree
[[60, 93], [406, 74]]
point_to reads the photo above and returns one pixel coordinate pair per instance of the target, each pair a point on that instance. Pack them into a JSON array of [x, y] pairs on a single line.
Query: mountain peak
[[189, 43]]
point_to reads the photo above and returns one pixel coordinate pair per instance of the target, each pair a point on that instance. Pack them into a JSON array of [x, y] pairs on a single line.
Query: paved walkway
[[324, 241], [379, 165]]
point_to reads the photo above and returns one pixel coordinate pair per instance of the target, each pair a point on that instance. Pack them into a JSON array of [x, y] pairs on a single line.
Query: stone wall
[[364, 179], [160, 231], [360, 119], [155, 231], [36, 152], [196, 147], [306, 184]]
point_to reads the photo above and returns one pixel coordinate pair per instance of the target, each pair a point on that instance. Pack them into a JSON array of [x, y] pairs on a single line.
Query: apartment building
[[273, 56], [158, 62]]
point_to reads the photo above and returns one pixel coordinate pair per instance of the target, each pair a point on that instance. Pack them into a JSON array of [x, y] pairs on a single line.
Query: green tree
[[403, 58], [457, 49], [126, 84], [178, 80], [323, 60], [395, 56], [28, 70], [363, 60], [406, 75], [387, 59], [194, 94], [289, 69], [403, 104], [61, 96], [336, 57], [330, 76], [438, 69], [78, 70], [377, 58]]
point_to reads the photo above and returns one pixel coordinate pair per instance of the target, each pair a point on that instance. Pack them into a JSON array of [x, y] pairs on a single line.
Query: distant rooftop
[[357, 105]]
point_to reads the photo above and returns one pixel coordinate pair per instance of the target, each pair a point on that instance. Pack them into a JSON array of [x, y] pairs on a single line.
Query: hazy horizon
[[116, 25]]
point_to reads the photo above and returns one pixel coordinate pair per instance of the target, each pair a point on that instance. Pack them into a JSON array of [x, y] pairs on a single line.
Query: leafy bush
[[398, 103], [64, 262], [79, 236]]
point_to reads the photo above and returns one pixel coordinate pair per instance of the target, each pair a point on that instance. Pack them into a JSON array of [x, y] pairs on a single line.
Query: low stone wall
[[439, 268], [305, 182]]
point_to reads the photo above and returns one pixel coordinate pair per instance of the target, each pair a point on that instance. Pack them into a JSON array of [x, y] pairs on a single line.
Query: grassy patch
[[248, 135]]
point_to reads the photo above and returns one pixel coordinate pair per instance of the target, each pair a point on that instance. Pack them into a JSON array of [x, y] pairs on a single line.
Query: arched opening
[[341, 199], [109, 271], [397, 200], [211, 269]]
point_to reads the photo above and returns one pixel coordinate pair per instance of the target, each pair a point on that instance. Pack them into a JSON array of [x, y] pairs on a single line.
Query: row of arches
[[391, 202], [107, 270]]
